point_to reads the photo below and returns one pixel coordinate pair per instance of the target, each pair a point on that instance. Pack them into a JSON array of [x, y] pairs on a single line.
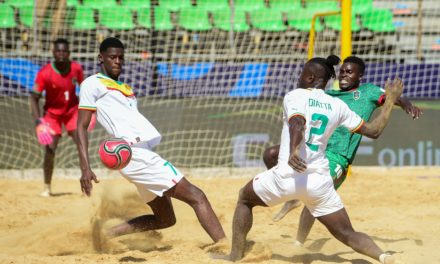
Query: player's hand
[[92, 123], [86, 181], [44, 132], [394, 89], [413, 111], [297, 163]]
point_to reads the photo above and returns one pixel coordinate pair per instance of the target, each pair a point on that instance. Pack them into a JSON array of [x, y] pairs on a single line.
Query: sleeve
[[350, 119], [39, 85], [88, 95], [80, 74], [294, 104]]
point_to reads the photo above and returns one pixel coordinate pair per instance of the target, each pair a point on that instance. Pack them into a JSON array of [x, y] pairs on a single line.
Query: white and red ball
[[115, 153]]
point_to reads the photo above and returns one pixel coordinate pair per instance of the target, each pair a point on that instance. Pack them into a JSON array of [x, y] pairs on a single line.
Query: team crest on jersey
[[121, 87], [356, 95]]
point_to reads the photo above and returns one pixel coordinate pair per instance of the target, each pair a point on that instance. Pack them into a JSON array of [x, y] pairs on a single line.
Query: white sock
[[383, 256], [298, 244]]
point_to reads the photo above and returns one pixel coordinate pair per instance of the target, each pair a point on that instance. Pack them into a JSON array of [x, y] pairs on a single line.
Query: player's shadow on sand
[[312, 257], [131, 259], [60, 194]]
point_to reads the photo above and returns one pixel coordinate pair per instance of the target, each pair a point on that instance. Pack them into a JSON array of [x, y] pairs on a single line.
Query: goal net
[[209, 74]]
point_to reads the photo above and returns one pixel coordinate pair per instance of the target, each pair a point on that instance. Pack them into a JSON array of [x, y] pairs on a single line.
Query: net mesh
[[210, 75]]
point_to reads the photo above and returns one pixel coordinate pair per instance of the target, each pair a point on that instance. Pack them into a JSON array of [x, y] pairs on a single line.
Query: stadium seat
[[335, 22], [285, 5], [7, 18], [378, 20], [361, 6], [162, 18], [249, 5], [20, 3], [136, 4], [212, 5], [99, 4], [175, 5], [302, 20], [27, 15], [321, 6], [268, 20], [193, 18], [122, 19], [222, 20], [84, 19]]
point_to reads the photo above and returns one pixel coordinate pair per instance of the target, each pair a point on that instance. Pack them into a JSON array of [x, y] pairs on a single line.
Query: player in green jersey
[[342, 146]]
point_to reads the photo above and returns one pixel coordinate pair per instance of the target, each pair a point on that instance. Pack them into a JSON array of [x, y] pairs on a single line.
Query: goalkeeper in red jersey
[[363, 99], [58, 80]]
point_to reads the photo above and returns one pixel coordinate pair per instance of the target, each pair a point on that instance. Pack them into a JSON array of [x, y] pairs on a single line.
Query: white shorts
[[151, 174], [314, 189]]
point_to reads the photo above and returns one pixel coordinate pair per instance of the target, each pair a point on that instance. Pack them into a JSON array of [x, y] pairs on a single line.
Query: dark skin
[[163, 215], [61, 56], [350, 77], [338, 223]]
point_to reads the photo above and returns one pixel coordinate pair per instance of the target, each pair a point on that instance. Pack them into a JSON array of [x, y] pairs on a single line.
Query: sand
[[399, 208]]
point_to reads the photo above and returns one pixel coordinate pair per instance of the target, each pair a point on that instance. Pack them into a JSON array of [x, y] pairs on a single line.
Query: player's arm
[[35, 105], [297, 126], [87, 175], [373, 129], [409, 108]]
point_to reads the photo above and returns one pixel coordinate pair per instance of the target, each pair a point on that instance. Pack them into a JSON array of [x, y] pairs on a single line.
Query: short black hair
[[110, 42], [356, 60], [61, 41], [328, 64]]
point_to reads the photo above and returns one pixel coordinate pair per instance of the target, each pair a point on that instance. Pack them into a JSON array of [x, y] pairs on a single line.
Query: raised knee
[[270, 156], [167, 222]]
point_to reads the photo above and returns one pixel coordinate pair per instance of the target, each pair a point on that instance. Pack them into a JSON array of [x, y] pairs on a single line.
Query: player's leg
[[48, 165], [339, 225], [270, 156], [243, 218], [163, 216], [196, 198]]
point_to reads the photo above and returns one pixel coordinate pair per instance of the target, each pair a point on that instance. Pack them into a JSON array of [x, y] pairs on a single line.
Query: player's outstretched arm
[[297, 126], [409, 108], [87, 175], [373, 129]]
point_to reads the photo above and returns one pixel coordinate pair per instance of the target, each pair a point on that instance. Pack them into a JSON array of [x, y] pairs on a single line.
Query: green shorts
[[338, 168]]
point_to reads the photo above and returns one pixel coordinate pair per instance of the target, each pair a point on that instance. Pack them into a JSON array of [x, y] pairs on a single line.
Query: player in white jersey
[[156, 179], [310, 117]]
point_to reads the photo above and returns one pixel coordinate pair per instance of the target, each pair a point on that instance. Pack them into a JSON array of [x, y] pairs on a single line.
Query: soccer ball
[[115, 153]]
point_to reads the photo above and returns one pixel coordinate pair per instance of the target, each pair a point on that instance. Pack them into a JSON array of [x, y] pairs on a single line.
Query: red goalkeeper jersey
[[59, 87]]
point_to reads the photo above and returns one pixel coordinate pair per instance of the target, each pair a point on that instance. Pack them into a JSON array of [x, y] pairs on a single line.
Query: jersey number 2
[[317, 130]]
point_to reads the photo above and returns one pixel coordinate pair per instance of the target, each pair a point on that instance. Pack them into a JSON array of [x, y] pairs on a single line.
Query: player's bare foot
[[287, 207], [46, 192]]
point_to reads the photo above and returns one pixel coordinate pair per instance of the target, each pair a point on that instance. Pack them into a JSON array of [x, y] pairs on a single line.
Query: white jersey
[[117, 110], [323, 114]]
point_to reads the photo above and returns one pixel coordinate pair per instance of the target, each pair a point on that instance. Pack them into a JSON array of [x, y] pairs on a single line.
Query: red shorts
[[69, 120]]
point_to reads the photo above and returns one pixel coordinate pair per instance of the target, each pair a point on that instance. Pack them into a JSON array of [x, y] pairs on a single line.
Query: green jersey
[[363, 101]]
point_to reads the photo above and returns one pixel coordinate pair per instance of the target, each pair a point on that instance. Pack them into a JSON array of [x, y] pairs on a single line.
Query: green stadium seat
[[117, 19], [175, 5], [193, 18], [302, 20], [249, 5], [7, 18], [268, 20], [84, 19], [20, 3], [72, 3], [222, 20], [335, 22], [378, 20], [27, 15], [285, 5], [136, 4], [322, 6], [361, 6], [99, 4], [162, 18], [212, 5]]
